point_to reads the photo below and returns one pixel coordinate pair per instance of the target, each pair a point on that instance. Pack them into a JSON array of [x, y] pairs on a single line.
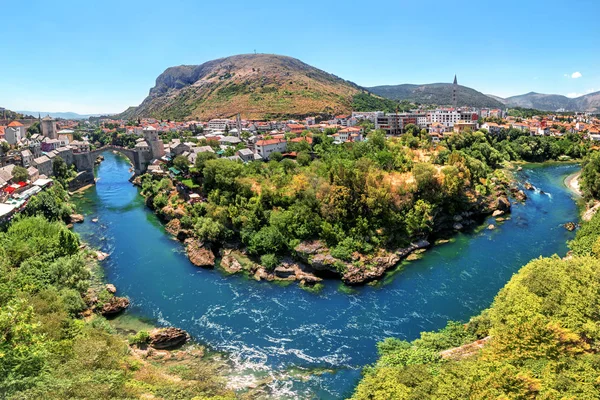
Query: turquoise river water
[[274, 331]]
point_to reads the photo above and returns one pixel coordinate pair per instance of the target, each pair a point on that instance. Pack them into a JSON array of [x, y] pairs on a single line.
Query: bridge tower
[[156, 145]]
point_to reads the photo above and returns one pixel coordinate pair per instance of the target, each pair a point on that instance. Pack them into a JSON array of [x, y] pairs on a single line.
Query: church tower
[[454, 86]]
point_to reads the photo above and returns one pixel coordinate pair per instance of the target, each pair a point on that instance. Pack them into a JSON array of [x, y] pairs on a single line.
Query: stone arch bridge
[[139, 159]]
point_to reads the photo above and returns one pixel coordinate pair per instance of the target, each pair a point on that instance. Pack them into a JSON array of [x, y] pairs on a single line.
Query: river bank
[[268, 332], [311, 261], [572, 182]]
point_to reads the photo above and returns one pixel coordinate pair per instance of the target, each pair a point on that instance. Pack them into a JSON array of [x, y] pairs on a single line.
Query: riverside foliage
[[544, 340], [355, 197], [47, 350], [543, 331]]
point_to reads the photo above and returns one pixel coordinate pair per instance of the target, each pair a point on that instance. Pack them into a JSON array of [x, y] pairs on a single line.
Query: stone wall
[[82, 179]]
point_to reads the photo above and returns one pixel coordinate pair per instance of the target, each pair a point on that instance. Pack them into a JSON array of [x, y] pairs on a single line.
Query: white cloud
[[576, 75], [573, 95]]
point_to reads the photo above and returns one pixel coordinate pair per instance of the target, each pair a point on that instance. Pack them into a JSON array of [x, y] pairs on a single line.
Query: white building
[[445, 117], [219, 124], [26, 158], [14, 132], [266, 147]]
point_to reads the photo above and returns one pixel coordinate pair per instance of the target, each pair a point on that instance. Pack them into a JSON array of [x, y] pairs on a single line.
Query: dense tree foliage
[[590, 175], [53, 204], [20, 174], [543, 331], [356, 196], [47, 351]]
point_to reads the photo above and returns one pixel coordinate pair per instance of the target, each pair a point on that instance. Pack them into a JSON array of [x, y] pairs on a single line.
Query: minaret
[[454, 86]]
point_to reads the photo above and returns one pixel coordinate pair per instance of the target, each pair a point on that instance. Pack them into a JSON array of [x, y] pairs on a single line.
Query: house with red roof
[[295, 128], [14, 132], [307, 139], [266, 147]]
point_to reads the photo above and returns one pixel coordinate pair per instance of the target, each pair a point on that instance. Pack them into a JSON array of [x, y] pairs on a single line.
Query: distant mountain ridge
[[63, 115], [436, 93], [268, 86], [553, 102]]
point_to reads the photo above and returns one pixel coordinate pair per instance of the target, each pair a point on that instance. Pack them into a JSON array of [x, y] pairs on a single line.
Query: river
[[270, 330]]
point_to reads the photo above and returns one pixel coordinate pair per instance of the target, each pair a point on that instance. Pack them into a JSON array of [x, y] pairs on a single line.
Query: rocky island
[[339, 216]]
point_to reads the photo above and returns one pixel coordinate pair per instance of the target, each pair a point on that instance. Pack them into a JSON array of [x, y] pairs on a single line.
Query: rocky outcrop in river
[[287, 270], [167, 338], [199, 254], [76, 218], [363, 269], [114, 306]]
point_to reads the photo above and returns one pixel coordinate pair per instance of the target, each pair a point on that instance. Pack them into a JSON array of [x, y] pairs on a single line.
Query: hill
[[436, 93], [259, 86], [540, 101], [10, 115], [553, 102]]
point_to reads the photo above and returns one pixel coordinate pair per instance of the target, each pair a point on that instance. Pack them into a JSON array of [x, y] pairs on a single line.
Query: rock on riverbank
[[114, 306], [234, 261], [199, 254], [363, 269], [167, 338]]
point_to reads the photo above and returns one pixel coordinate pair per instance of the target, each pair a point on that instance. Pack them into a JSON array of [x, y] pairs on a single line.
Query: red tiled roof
[[269, 141], [302, 139], [15, 123]]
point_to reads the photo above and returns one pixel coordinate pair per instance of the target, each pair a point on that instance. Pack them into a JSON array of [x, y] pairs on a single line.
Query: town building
[[266, 147], [220, 124], [26, 158], [49, 127], [14, 132], [43, 165], [155, 145]]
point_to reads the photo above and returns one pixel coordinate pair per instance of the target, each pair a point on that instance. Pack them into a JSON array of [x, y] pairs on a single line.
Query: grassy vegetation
[[48, 350], [370, 102]]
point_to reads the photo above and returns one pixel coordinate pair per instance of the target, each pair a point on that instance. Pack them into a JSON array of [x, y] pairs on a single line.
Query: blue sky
[[102, 56]]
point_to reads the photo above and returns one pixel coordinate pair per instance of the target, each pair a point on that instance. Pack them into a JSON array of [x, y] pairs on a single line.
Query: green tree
[[590, 175], [181, 163], [269, 261], [419, 220], [276, 156], [303, 159], [60, 169], [20, 174], [202, 158]]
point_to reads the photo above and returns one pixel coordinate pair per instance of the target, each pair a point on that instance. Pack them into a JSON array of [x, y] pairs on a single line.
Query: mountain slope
[[259, 86], [436, 93], [552, 102], [540, 101]]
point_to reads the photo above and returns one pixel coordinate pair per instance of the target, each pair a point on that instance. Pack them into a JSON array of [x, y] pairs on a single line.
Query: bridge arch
[[139, 159]]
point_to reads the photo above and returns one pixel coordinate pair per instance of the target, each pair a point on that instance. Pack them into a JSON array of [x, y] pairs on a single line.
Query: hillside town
[[237, 139]]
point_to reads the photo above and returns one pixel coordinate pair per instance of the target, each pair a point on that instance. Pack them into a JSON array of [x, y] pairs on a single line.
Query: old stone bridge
[[139, 159]]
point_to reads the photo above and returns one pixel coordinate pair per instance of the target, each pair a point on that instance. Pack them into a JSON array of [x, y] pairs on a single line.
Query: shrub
[[269, 261], [276, 156], [139, 339]]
